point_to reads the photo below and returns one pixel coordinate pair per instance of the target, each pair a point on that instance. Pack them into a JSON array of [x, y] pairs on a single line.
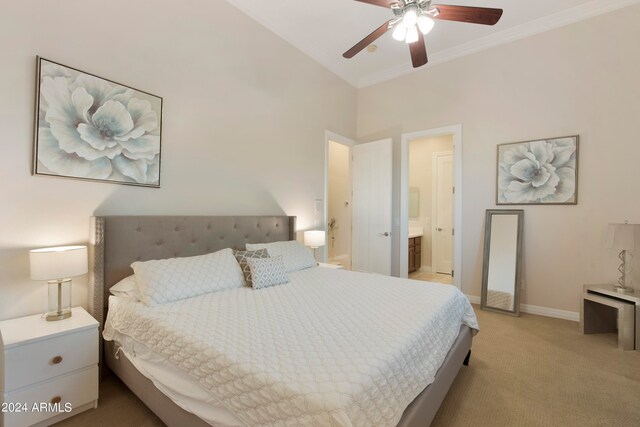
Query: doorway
[[338, 208], [358, 194], [430, 214], [339, 205]]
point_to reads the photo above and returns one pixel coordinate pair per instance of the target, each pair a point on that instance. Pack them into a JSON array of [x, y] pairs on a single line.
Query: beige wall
[[339, 203], [242, 133], [580, 79], [420, 176], [238, 125]]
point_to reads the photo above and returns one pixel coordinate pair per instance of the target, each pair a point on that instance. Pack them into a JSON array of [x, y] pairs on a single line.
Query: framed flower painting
[[88, 127], [543, 172]]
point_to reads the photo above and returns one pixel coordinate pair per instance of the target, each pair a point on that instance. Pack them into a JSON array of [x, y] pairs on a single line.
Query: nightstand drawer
[[39, 361], [77, 388]]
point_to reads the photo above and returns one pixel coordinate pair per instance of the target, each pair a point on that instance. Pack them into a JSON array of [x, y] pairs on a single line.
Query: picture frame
[[538, 172], [91, 128]]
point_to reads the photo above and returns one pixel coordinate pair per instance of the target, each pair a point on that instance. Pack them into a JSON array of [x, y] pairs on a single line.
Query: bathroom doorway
[[431, 208], [339, 200], [430, 201]]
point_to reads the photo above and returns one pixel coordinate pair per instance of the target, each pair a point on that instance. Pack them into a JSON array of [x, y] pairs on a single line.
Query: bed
[[119, 241]]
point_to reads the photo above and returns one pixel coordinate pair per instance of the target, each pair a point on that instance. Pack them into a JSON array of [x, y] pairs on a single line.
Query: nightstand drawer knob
[[56, 399], [57, 360]]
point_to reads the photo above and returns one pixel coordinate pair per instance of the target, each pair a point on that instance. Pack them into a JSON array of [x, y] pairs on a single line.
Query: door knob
[[385, 234], [439, 229]]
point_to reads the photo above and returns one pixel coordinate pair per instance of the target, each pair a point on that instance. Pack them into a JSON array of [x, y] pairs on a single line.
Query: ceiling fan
[[414, 19]]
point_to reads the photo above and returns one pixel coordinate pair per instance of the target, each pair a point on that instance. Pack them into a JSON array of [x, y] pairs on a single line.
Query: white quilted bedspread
[[330, 348]]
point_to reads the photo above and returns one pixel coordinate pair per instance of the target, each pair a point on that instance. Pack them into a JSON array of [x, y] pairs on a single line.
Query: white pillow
[[173, 279], [294, 254], [267, 272], [126, 288]]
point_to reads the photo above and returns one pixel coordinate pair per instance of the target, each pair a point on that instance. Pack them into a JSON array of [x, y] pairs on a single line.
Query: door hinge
[[453, 231], [454, 190], [453, 274]]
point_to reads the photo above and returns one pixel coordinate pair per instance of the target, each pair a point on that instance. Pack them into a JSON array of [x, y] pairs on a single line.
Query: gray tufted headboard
[[118, 241]]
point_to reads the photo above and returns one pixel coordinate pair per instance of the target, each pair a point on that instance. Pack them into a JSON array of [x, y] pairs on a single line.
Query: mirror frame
[[487, 251]]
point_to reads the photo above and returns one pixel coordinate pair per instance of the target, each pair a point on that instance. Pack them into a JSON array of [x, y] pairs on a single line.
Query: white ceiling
[[324, 29]]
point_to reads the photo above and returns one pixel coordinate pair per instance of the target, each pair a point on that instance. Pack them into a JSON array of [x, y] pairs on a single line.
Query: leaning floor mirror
[[502, 261]]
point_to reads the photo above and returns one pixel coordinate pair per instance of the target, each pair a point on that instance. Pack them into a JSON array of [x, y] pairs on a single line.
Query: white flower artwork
[[538, 172], [91, 128]]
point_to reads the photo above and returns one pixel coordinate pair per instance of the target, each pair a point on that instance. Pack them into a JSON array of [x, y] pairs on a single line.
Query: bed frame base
[[424, 408], [164, 408]]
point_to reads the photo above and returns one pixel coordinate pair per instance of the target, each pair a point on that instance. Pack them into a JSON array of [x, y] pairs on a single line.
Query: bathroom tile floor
[[431, 277]]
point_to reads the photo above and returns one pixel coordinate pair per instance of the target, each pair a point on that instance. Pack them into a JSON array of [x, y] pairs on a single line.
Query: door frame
[[434, 190], [406, 138], [332, 136]]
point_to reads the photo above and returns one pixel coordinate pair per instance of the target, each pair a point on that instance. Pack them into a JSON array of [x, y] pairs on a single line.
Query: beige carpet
[[539, 371], [527, 371]]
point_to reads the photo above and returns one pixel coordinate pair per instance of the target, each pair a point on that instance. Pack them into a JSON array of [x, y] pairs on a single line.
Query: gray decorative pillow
[[267, 272], [242, 257]]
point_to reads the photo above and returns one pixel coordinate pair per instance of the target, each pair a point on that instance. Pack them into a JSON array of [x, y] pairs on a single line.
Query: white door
[[443, 224], [371, 238]]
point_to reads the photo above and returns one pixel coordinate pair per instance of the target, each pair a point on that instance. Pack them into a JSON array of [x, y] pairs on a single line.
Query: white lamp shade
[[314, 238], [624, 236], [412, 35], [400, 32], [425, 24], [58, 263]]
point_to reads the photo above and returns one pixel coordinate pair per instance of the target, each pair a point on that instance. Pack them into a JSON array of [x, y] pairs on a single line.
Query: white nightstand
[[48, 370], [331, 266]]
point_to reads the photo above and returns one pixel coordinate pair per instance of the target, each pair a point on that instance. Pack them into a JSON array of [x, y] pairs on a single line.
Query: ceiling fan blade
[[367, 40], [418, 52], [383, 3], [473, 15]]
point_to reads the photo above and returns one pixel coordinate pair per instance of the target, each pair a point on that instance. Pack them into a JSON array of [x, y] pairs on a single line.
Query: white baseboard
[[541, 311], [551, 312]]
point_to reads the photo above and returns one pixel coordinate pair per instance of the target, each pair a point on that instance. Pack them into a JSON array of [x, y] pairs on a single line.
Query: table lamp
[[314, 239], [57, 266], [624, 237]]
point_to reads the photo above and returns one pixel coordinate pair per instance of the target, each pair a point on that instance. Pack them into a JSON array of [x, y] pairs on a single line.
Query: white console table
[[605, 310]]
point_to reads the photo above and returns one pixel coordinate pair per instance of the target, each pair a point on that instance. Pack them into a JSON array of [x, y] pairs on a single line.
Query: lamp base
[[621, 287], [624, 289], [59, 300], [52, 317]]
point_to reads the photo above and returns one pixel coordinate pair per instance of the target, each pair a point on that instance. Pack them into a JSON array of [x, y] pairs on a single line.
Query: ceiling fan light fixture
[[413, 18], [400, 32], [412, 35], [425, 24], [410, 17]]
